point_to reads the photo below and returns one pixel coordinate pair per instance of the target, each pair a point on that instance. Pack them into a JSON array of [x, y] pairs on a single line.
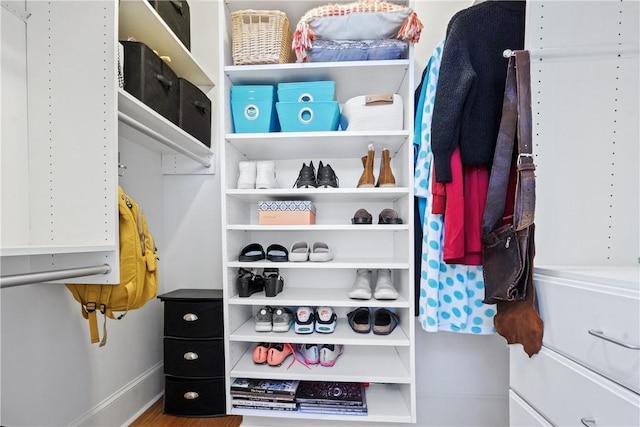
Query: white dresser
[[588, 371]]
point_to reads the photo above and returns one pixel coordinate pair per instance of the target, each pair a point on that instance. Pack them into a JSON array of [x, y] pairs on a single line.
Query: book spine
[[263, 408], [262, 397], [327, 402], [263, 391], [331, 411], [244, 402]]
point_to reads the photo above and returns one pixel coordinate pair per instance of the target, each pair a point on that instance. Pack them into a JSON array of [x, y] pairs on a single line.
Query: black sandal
[[389, 216], [362, 216], [277, 253], [252, 252], [248, 283], [273, 282]]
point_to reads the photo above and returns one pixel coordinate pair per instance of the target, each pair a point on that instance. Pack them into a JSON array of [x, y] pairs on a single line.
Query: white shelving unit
[[386, 362]]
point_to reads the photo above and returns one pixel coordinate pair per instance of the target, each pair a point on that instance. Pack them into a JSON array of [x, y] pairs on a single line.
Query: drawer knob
[[190, 395], [601, 335], [588, 422], [190, 355], [190, 317]]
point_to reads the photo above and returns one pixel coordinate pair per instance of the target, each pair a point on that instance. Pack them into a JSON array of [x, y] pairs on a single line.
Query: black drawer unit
[[194, 353]]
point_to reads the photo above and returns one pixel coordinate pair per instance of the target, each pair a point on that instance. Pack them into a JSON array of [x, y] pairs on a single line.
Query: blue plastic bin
[[306, 91], [308, 116], [253, 109]]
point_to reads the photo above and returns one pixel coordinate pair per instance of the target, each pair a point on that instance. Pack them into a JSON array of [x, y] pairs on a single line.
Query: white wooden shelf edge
[[51, 250]]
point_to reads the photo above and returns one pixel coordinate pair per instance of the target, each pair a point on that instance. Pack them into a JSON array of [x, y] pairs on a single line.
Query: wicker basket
[[261, 37]]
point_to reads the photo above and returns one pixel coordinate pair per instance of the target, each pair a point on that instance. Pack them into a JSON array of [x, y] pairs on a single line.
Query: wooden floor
[[154, 417]]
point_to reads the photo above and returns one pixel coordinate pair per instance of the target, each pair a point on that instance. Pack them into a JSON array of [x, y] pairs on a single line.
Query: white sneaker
[[266, 174], [329, 353], [305, 319], [247, 177], [361, 288], [326, 320], [384, 286], [310, 353]]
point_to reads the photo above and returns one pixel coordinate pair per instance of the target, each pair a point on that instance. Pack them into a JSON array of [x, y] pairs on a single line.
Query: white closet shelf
[[340, 144], [333, 297], [164, 137], [390, 194], [52, 250], [384, 404], [319, 227], [348, 75], [357, 363], [342, 335], [336, 263], [139, 20]]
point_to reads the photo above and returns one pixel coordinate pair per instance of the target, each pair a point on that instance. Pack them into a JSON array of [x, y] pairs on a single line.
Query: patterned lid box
[[287, 205]]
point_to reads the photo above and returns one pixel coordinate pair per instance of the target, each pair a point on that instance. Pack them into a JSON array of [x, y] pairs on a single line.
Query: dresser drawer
[[194, 358], [568, 394], [193, 319], [523, 415], [194, 397], [575, 311]]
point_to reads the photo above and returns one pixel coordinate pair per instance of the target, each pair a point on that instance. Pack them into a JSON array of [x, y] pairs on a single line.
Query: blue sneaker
[[305, 319]]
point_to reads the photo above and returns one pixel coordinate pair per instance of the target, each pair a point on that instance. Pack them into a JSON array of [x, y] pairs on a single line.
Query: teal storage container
[[253, 109], [308, 116], [306, 91]]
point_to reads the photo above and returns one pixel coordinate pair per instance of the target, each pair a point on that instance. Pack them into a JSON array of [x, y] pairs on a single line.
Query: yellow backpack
[[138, 272]]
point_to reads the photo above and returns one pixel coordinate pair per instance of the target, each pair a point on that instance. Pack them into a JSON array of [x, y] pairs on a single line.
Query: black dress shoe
[[326, 176], [307, 176]]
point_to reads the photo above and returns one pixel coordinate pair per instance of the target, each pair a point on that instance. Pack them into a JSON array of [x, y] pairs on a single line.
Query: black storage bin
[[176, 15], [150, 79], [194, 112], [194, 397]]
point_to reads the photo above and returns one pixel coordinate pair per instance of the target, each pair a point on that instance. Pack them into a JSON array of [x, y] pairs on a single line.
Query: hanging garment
[[450, 296], [471, 83]]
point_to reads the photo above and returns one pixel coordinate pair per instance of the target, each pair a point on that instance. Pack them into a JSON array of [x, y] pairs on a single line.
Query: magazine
[[263, 408], [263, 397], [279, 387], [332, 411], [331, 393], [262, 404]]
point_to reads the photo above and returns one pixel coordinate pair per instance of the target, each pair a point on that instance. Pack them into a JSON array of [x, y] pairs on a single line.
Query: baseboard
[[125, 405]]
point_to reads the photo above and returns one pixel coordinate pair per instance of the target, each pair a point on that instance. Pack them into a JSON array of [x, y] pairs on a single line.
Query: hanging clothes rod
[[48, 276], [610, 50], [164, 140]]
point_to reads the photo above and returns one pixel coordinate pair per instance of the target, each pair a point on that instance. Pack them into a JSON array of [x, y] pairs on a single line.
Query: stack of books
[[338, 398], [274, 395]]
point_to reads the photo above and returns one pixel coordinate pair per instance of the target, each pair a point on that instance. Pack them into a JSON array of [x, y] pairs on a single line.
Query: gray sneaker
[[282, 319], [264, 319]]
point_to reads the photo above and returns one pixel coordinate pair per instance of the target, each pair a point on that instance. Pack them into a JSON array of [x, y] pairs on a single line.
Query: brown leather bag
[[508, 249]]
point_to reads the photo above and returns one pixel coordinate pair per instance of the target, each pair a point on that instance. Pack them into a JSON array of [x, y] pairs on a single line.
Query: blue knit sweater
[[468, 104]]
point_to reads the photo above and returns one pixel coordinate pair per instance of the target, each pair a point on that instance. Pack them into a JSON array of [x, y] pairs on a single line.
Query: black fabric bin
[[150, 79], [176, 15], [194, 112]]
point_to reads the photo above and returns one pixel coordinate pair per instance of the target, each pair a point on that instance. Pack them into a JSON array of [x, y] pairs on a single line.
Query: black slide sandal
[[277, 253], [252, 252]]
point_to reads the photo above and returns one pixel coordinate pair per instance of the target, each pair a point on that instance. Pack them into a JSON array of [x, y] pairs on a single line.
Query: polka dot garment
[[450, 294]]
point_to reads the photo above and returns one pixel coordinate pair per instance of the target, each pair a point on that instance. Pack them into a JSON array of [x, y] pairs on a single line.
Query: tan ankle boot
[[367, 180], [386, 178]]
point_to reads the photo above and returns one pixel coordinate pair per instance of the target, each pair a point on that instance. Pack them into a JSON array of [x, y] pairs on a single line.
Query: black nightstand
[[194, 353]]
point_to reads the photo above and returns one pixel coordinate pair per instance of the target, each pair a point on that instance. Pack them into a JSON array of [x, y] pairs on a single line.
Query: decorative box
[[286, 212], [308, 116], [176, 15], [194, 112], [253, 109], [150, 79]]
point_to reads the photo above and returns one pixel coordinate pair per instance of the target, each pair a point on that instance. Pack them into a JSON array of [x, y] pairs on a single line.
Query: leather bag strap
[[516, 118]]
